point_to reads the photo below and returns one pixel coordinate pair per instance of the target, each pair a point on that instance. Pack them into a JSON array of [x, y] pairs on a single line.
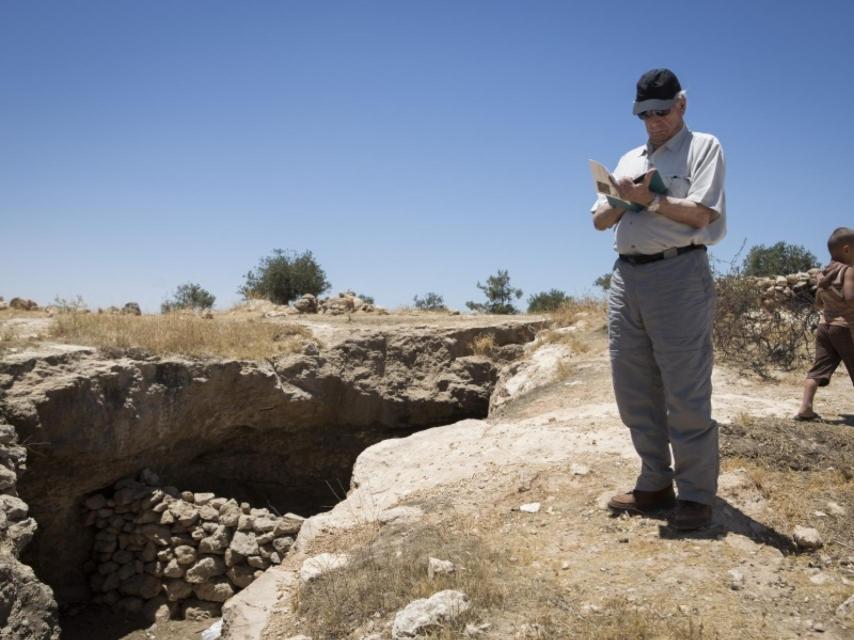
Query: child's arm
[[848, 285]]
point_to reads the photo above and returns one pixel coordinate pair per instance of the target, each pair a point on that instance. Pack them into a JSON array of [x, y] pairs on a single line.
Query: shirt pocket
[[678, 186]]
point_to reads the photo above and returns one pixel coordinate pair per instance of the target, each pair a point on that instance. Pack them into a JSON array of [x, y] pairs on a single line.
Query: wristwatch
[[655, 204]]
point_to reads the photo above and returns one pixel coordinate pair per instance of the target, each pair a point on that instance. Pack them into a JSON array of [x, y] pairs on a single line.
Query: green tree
[[430, 302], [603, 281], [285, 276], [546, 301], [499, 295], [778, 259], [189, 296]]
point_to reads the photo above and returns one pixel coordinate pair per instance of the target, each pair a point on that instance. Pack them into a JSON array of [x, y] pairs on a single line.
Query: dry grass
[[389, 571], [180, 334], [794, 497], [482, 344], [384, 575], [575, 309], [572, 339]]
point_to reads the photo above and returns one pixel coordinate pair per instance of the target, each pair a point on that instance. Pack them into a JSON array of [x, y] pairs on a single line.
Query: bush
[[430, 302], [72, 305], [603, 281], [546, 301], [189, 296], [756, 337], [778, 259], [499, 295], [285, 276], [365, 298]]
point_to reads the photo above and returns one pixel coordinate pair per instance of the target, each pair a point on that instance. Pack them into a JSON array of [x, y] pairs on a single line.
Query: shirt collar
[[672, 144]]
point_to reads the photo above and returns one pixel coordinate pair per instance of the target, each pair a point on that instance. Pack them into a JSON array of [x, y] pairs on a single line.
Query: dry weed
[[386, 574], [482, 344], [569, 338], [576, 308], [794, 497], [180, 334]]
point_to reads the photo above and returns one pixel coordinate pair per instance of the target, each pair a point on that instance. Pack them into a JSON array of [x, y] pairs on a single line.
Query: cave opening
[[109, 578]]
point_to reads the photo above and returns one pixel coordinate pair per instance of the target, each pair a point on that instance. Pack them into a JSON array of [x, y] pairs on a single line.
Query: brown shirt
[[836, 310]]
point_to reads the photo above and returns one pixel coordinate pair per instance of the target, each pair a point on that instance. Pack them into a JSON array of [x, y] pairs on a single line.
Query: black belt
[[640, 258]]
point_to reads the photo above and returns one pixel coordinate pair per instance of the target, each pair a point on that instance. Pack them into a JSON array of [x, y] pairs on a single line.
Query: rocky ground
[[515, 504], [566, 567]]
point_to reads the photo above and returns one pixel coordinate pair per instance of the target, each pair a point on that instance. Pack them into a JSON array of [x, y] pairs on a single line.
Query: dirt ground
[[572, 570]]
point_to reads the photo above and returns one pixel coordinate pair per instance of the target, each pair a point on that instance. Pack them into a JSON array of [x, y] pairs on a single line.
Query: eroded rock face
[[283, 432], [27, 606]]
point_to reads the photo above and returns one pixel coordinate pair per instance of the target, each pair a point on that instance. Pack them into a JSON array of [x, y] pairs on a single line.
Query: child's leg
[[810, 387], [827, 358]]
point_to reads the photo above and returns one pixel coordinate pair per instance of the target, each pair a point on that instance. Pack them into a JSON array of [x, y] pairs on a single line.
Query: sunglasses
[[643, 115]]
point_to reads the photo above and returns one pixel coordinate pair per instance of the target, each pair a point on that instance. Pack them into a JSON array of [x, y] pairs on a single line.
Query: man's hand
[[636, 192]]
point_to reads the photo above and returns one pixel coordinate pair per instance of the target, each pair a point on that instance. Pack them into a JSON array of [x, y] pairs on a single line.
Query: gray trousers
[[660, 337]]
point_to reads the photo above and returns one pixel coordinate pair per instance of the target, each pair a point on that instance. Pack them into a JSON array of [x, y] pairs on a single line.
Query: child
[[833, 340]]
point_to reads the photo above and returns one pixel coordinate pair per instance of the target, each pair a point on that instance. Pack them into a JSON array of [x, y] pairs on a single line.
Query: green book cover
[[656, 185]]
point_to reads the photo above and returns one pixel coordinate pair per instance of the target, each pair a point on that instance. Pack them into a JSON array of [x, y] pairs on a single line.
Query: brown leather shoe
[[691, 515], [638, 501]]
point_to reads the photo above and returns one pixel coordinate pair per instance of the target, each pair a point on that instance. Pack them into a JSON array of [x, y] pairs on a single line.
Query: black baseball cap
[[657, 89]]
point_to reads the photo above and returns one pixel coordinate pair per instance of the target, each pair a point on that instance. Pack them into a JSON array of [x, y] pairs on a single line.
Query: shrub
[[430, 302], [603, 281], [778, 259], [285, 276], [72, 305], [546, 301], [756, 337], [499, 295], [366, 298], [189, 296]]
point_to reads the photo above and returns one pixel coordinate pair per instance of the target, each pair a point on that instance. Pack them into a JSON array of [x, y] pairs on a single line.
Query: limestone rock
[[218, 590], [436, 567], [306, 304], [229, 514], [316, 566], [217, 542], [807, 538], [244, 544], [845, 611], [177, 589], [185, 555], [425, 613], [241, 576], [201, 610], [204, 569], [23, 304]]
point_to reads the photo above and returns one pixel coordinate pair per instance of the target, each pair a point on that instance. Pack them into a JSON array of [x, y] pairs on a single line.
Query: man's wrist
[[654, 204]]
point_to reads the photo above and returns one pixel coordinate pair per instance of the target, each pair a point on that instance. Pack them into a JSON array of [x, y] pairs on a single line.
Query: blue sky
[[411, 146]]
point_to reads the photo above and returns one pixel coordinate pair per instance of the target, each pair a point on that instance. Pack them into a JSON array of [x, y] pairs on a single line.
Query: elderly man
[[661, 303]]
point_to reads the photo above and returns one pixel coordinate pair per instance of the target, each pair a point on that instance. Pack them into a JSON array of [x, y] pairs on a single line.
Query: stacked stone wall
[[775, 291], [168, 553]]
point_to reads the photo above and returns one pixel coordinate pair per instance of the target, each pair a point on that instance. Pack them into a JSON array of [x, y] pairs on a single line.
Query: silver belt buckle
[[670, 253]]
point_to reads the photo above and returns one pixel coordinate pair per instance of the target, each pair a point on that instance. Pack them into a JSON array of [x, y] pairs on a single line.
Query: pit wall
[[164, 554], [27, 606]]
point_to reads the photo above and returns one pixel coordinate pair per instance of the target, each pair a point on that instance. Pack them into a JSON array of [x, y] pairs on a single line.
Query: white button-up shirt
[[692, 167]]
